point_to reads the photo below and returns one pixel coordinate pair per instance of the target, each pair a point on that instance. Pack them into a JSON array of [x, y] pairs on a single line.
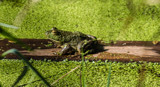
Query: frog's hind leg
[[92, 37], [85, 47]]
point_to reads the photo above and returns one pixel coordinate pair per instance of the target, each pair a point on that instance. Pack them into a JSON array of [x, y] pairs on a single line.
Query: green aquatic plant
[[16, 52]]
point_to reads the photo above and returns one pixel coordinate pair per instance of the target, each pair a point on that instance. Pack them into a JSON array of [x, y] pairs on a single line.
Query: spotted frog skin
[[72, 42]]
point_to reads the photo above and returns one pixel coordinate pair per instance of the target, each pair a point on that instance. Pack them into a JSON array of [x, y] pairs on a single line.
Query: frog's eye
[[53, 31], [54, 28]]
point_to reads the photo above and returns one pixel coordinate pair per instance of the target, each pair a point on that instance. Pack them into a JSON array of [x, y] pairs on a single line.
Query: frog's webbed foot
[[57, 53]]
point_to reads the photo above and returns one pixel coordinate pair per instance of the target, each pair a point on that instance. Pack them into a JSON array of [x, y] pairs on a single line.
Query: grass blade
[[23, 73], [16, 52], [109, 75], [83, 68], [12, 38], [9, 26], [0, 84], [65, 75]]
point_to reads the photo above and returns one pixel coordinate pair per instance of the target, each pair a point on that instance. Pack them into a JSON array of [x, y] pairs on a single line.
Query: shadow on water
[[142, 76], [156, 35]]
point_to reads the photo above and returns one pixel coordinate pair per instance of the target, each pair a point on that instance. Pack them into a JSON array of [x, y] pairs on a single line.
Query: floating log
[[122, 51]]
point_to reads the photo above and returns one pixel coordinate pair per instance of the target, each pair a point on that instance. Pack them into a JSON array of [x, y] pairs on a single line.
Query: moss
[[122, 74], [107, 20]]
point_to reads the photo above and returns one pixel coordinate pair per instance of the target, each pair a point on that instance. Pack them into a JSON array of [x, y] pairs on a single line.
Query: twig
[[65, 75]]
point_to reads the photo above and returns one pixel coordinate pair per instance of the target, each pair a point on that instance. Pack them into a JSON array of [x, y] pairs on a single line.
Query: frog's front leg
[[58, 43], [66, 48]]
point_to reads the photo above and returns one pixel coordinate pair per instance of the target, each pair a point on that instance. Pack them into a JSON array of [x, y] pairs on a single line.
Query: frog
[[72, 42]]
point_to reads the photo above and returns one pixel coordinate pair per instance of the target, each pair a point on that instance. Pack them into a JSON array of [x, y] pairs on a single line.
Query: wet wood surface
[[123, 51]]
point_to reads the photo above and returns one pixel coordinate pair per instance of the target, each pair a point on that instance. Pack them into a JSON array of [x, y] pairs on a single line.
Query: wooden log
[[124, 51]]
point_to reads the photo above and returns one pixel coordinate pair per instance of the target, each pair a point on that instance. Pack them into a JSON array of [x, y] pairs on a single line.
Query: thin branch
[[65, 75]]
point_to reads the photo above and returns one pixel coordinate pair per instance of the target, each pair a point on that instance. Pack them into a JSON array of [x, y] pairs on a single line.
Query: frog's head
[[54, 33]]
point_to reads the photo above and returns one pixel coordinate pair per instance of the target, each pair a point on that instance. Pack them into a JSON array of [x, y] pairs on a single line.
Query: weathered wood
[[123, 51]]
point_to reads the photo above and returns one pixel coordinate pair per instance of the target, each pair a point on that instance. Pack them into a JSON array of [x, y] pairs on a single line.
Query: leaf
[[21, 76]]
